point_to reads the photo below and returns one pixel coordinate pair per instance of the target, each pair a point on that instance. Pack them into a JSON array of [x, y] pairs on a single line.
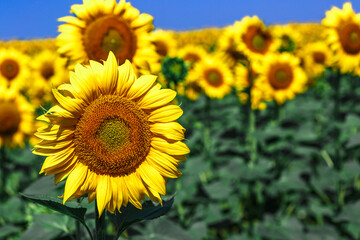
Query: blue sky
[[27, 19]]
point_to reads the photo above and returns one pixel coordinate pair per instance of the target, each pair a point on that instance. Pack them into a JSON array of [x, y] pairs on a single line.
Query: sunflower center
[[350, 38], [47, 70], [257, 40], [319, 57], [9, 69], [113, 136], [9, 119], [280, 76], [110, 33], [161, 48], [214, 77], [113, 133]]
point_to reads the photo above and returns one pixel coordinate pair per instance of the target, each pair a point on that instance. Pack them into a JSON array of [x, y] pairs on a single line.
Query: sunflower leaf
[[70, 208], [131, 214]]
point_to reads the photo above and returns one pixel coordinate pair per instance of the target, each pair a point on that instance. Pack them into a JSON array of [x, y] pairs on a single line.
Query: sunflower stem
[[336, 84], [100, 226], [77, 226], [251, 140], [207, 128], [2, 166]]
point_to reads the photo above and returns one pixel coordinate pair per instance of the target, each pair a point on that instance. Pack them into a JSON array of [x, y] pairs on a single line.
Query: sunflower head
[[114, 137], [280, 76], [16, 118], [253, 38], [103, 26], [344, 36], [213, 76], [14, 68]]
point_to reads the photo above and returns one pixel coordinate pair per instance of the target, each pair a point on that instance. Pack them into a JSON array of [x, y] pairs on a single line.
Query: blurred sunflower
[[16, 118], [101, 26], [214, 77], [164, 42], [192, 54], [14, 69], [344, 36], [242, 82], [50, 67], [227, 47], [113, 136], [316, 56], [192, 89], [289, 37], [253, 38], [280, 76]]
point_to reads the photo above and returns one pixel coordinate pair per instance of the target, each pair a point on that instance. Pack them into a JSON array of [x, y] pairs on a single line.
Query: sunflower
[[101, 26], [16, 118], [49, 67], [164, 42], [253, 38], [280, 76], [227, 47], [289, 37], [344, 36], [243, 81], [316, 56], [113, 136], [192, 88], [213, 76], [14, 68], [192, 54]]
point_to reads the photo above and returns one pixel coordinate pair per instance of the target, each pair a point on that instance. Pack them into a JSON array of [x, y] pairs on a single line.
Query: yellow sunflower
[[192, 54], [242, 82], [253, 38], [50, 67], [227, 46], [289, 37], [113, 136], [16, 118], [14, 68], [164, 42], [344, 36], [280, 76], [213, 76], [101, 26], [316, 56]]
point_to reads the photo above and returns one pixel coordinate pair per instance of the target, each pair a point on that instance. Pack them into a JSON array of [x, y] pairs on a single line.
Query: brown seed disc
[[9, 118], [47, 70], [9, 69], [110, 33], [113, 136], [319, 57], [257, 40], [161, 48], [214, 77], [350, 38], [280, 76]]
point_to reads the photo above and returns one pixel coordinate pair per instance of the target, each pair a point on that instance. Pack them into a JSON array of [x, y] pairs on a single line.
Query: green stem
[[2, 167], [337, 118], [100, 226], [251, 140], [207, 128], [77, 226]]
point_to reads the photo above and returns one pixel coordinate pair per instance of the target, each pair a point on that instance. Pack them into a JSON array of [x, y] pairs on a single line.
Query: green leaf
[[354, 141], [8, 230], [35, 231], [70, 209], [131, 214], [52, 221]]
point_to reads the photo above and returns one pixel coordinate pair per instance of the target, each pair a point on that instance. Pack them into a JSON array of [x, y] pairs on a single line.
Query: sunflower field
[[118, 129]]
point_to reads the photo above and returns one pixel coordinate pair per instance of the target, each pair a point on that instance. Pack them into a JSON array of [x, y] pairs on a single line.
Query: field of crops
[[117, 129]]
